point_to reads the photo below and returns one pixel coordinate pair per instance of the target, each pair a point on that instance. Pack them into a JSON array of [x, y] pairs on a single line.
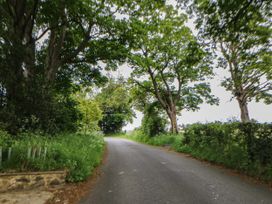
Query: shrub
[[5, 139], [153, 122], [138, 135], [172, 140], [243, 146]]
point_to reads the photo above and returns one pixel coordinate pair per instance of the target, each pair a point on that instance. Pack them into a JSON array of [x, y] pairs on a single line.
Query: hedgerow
[[243, 146]]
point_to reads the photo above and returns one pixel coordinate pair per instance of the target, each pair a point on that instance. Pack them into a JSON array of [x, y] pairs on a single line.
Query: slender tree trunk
[[172, 114], [244, 111], [174, 125]]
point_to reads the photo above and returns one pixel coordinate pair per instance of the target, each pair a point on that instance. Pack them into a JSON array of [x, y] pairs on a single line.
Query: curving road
[[139, 174]]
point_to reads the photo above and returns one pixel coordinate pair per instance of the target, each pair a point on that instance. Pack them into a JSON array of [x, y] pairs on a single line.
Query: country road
[[139, 174]]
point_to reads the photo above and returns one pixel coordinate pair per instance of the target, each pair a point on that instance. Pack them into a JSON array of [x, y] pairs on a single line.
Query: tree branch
[[143, 87]]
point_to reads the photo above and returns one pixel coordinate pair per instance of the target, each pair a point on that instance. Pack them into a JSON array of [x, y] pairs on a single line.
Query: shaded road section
[[139, 174]]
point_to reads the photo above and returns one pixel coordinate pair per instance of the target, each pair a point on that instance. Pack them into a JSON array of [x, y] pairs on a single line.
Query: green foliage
[[90, 111], [242, 31], [246, 147], [5, 139], [115, 103], [47, 46], [153, 122], [169, 63], [136, 135], [170, 140], [76, 153], [167, 57], [242, 146]]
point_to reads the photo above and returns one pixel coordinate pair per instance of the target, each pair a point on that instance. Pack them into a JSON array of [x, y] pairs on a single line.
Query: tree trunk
[[173, 119], [174, 125], [244, 111]]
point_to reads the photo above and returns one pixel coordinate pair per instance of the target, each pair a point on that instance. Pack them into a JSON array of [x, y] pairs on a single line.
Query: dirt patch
[[72, 193], [25, 197]]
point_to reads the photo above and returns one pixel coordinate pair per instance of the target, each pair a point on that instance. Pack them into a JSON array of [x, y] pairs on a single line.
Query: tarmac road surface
[[140, 174]]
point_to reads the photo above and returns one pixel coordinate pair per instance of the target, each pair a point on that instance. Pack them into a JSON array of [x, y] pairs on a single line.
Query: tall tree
[[168, 62], [241, 30], [45, 45]]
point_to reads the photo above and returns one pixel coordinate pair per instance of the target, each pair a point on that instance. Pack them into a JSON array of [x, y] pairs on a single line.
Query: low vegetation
[[77, 153], [242, 146], [164, 139]]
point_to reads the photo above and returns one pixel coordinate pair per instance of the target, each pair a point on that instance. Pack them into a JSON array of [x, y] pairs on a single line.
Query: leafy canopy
[[241, 30], [167, 60]]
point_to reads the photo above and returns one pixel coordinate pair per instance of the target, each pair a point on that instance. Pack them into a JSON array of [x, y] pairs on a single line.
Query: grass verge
[[77, 153]]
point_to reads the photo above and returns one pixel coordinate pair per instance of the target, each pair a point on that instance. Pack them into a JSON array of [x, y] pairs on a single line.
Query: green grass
[[77, 153], [170, 140]]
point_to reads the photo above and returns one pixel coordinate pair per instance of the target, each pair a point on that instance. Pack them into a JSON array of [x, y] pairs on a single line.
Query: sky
[[226, 110]]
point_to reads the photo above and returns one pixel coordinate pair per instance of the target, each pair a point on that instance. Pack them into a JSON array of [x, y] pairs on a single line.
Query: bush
[[172, 140], [243, 146], [136, 135], [153, 122], [76, 153], [5, 139]]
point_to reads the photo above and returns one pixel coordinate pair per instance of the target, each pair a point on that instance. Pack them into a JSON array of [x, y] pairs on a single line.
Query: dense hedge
[[77, 153], [243, 146]]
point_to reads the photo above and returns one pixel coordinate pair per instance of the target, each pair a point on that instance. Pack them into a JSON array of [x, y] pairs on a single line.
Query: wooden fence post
[[39, 152], [29, 153], [9, 153], [34, 153], [45, 151]]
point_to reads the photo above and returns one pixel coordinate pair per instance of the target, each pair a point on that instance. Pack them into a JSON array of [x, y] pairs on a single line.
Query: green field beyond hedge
[[77, 153], [245, 147]]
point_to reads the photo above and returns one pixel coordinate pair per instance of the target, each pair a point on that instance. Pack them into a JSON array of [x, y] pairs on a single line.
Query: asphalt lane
[[139, 174]]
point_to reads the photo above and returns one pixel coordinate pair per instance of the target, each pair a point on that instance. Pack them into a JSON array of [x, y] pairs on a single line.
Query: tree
[[90, 111], [167, 62], [154, 121], [115, 103], [241, 30], [47, 45]]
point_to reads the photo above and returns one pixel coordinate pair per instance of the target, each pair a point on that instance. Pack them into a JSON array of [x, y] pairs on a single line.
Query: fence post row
[[32, 153]]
